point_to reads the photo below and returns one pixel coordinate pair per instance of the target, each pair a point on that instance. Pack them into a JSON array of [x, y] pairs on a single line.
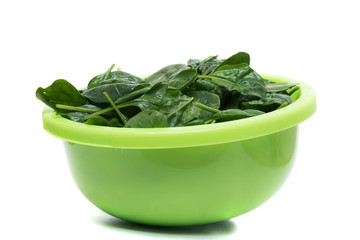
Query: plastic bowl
[[184, 175]]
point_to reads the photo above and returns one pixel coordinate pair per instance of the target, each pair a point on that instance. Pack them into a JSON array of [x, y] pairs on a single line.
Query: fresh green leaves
[[101, 121], [113, 77], [279, 87], [97, 80], [60, 92], [115, 91], [234, 114], [208, 99], [166, 73], [199, 92], [206, 66], [269, 103], [238, 58], [182, 80], [240, 78], [148, 119]]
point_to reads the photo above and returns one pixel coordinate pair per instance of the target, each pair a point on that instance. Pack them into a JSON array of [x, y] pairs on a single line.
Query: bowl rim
[[186, 136]]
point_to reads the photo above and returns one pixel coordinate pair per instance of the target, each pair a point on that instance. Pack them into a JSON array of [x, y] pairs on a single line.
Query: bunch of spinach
[[199, 92]]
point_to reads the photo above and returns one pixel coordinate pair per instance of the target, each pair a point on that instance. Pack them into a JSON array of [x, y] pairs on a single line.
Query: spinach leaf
[[235, 99], [97, 120], [239, 78], [278, 87], [193, 63], [114, 77], [209, 99], [271, 98], [204, 104], [100, 121], [115, 91], [238, 58], [148, 119], [195, 122], [74, 116], [204, 85], [137, 91], [166, 73], [120, 102], [60, 92], [270, 102], [95, 81], [161, 99], [122, 77], [152, 99], [182, 80], [206, 66], [234, 114]]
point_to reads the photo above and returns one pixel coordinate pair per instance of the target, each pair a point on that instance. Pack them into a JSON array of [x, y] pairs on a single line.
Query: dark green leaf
[[239, 78], [238, 58], [206, 98], [100, 121], [270, 98], [270, 102], [74, 116], [60, 92], [235, 100], [204, 85], [182, 80], [234, 114], [191, 111], [166, 73], [115, 91], [148, 119], [278, 87], [161, 99], [91, 106], [206, 66], [96, 81], [125, 101], [193, 63], [195, 122], [150, 100], [137, 91], [114, 77], [122, 77]]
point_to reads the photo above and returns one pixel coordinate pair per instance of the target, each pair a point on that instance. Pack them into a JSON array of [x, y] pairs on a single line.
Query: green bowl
[[184, 175]]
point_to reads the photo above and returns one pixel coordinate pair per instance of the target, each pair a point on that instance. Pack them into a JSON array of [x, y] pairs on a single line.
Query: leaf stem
[[284, 104], [109, 71], [105, 110], [122, 117], [206, 76], [206, 108], [294, 89], [133, 95], [211, 121], [187, 103], [77, 109], [119, 102]]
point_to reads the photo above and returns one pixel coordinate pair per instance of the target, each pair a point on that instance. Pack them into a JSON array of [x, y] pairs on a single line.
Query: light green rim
[[189, 136]]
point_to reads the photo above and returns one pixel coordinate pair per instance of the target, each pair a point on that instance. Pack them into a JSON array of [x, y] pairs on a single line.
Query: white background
[[313, 41]]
